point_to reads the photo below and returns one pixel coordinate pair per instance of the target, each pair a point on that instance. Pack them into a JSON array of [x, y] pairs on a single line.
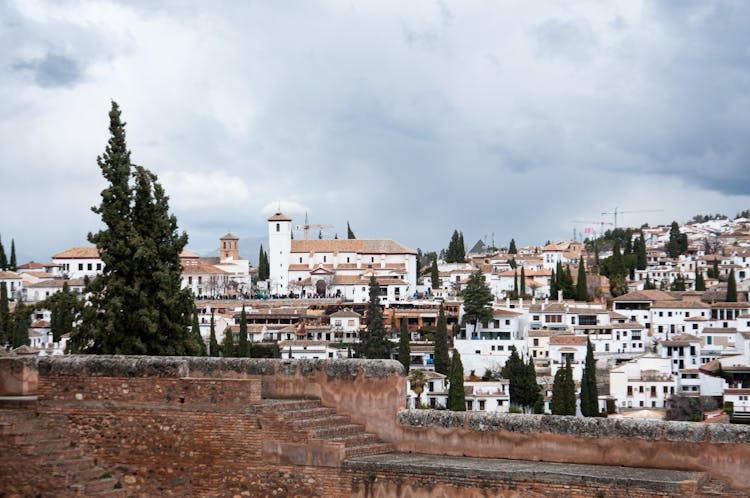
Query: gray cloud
[[52, 70]]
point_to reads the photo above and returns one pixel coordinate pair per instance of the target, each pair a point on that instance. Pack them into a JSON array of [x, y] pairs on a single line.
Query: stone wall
[[721, 450]]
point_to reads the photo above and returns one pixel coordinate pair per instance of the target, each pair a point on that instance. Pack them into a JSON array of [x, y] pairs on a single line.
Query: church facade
[[337, 267]]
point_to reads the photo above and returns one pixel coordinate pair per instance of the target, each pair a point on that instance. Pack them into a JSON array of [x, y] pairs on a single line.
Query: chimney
[[559, 296], [520, 303], [507, 303], [533, 299]]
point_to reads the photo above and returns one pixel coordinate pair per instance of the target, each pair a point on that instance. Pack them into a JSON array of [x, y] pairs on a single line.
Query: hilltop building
[[337, 268]]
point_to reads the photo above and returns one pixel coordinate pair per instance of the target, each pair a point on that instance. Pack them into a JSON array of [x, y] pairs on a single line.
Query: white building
[[337, 267], [79, 262]]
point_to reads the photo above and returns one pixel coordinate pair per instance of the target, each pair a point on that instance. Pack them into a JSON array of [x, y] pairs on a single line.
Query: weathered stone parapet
[[647, 429], [18, 375]]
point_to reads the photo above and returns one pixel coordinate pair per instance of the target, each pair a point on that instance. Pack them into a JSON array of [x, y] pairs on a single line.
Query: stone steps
[[45, 443], [317, 421]]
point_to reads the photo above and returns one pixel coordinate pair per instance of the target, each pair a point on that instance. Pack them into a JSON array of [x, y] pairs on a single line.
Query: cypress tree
[[565, 282], [375, 345], [553, 286], [700, 283], [442, 360], [404, 348], [21, 324], [243, 350], [136, 305], [677, 241], [12, 265], [3, 257], [456, 395], [731, 288], [435, 275], [262, 264], [213, 344], [678, 284], [582, 292], [512, 247], [641, 259], [514, 372], [227, 344], [320, 234], [461, 249], [563, 392], [349, 233], [648, 284], [514, 294], [64, 306], [5, 321], [522, 285], [197, 337], [477, 300], [532, 392], [589, 392]]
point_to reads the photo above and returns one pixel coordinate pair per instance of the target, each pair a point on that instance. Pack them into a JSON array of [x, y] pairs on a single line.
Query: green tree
[[349, 233], [136, 305], [404, 348], [434, 275], [715, 269], [12, 266], [243, 347], [553, 286], [700, 282], [375, 345], [641, 259], [5, 319], [522, 283], [648, 284], [442, 360], [213, 344], [456, 395], [263, 267], [64, 307], [582, 291], [589, 392], [514, 294], [565, 281], [564, 392], [677, 241], [514, 371], [3, 257], [731, 288], [21, 324], [456, 252], [678, 284], [228, 349], [197, 337], [477, 301], [512, 247]]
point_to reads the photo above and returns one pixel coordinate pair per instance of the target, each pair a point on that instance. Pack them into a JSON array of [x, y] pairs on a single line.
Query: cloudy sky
[[408, 119]]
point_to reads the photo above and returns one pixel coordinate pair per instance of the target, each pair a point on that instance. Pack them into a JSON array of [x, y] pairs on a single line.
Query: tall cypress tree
[[262, 264], [514, 372], [349, 233], [243, 350], [522, 283], [213, 344], [553, 286], [228, 350], [563, 392], [641, 259], [136, 305], [404, 348], [3, 257], [514, 294], [435, 274], [197, 337], [512, 247], [12, 266], [731, 288], [456, 395], [700, 282], [589, 392], [64, 306], [582, 292], [442, 360], [21, 324], [375, 345], [5, 320]]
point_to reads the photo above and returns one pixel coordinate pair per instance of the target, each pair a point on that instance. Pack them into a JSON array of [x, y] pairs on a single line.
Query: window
[[481, 405], [98, 266], [300, 259], [630, 390], [89, 267], [587, 320], [536, 342], [278, 227], [640, 389], [80, 266], [324, 259], [190, 280]]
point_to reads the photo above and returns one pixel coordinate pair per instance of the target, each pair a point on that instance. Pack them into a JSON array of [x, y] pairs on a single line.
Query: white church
[[339, 268]]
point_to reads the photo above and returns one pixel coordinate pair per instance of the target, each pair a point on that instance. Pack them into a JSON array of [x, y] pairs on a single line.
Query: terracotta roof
[[202, 268], [680, 340], [644, 295], [9, 275], [279, 216], [741, 306], [359, 246], [679, 305], [720, 330], [504, 312], [40, 324], [78, 253], [568, 339], [73, 282], [347, 313], [553, 247], [39, 274], [230, 236], [187, 253], [31, 265], [527, 273]]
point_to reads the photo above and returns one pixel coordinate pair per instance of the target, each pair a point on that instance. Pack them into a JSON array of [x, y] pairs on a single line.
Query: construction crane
[[307, 226], [596, 222], [617, 211]]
